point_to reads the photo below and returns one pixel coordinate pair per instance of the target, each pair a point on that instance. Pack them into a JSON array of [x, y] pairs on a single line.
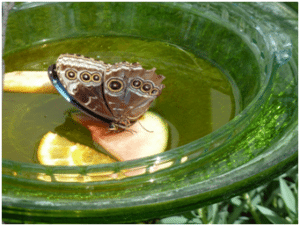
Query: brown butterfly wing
[[129, 90], [83, 79]]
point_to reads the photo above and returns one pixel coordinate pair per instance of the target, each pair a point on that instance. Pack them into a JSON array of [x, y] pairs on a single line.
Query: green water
[[197, 100]]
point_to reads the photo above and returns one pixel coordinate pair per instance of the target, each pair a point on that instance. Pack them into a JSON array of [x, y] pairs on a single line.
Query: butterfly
[[118, 94]]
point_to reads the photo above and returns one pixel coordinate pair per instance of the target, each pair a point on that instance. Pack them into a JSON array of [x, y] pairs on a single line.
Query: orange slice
[[28, 82], [58, 151], [147, 137]]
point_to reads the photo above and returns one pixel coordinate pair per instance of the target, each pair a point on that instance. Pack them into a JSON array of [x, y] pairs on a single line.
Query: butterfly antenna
[[145, 128]]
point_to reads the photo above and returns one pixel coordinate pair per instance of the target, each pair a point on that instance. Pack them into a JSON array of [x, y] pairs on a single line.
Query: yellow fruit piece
[[28, 82], [58, 151]]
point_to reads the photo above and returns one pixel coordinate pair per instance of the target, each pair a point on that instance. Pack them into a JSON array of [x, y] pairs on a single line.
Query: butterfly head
[[113, 126]]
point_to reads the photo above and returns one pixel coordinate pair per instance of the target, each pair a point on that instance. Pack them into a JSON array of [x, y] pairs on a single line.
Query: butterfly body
[[118, 94]]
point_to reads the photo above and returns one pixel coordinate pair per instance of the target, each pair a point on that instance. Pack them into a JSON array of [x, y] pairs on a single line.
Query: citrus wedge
[[28, 82], [58, 151]]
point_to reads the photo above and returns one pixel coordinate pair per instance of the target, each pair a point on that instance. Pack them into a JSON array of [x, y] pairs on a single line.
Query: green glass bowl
[[255, 43]]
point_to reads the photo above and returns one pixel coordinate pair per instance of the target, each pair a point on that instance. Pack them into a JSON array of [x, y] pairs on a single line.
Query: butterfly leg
[[126, 124]]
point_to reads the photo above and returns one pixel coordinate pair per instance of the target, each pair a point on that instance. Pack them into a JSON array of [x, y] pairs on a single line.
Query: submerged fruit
[[28, 82], [58, 151], [148, 136]]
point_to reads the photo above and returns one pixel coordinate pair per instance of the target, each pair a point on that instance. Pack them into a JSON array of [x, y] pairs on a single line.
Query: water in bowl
[[197, 100]]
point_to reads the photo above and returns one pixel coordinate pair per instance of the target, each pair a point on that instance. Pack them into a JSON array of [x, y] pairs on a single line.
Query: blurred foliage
[[273, 203]]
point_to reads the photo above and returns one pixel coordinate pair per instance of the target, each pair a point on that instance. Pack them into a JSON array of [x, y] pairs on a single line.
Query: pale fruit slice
[[148, 136], [28, 82], [58, 151]]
